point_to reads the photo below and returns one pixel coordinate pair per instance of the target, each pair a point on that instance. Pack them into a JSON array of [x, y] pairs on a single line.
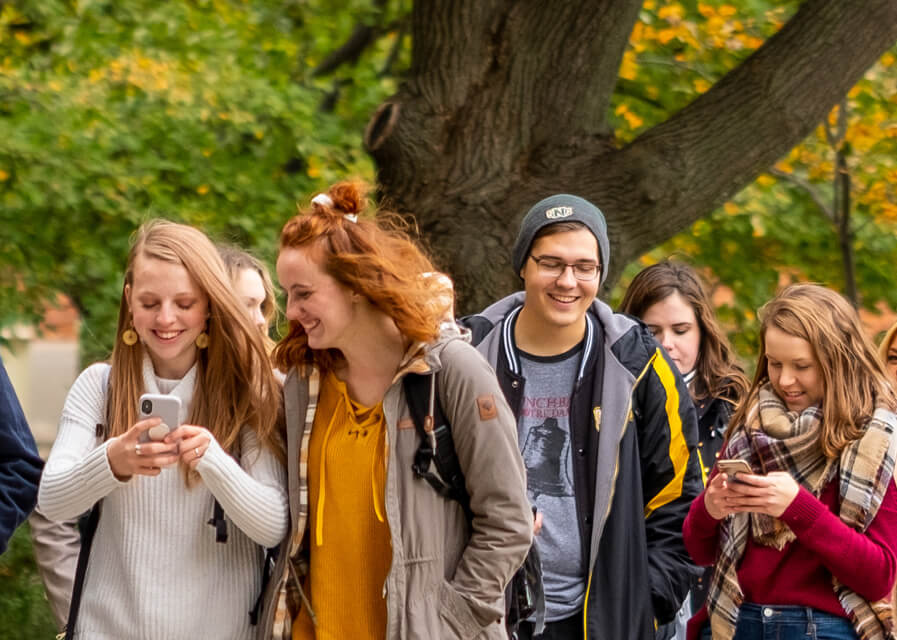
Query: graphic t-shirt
[[543, 429]]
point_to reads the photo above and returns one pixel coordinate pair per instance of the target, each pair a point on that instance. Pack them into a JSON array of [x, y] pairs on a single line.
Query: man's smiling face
[[560, 301]]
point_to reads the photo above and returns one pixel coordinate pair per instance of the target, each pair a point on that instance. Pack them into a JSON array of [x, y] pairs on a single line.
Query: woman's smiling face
[[315, 299], [169, 311], [794, 371]]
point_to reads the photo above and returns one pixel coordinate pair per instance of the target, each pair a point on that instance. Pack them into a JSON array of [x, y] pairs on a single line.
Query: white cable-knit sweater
[[155, 571]]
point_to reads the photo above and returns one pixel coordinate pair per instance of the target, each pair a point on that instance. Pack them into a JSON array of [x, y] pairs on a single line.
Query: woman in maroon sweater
[[805, 546]]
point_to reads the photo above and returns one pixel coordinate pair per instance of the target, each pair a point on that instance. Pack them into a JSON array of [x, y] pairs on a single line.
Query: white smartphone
[[733, 467], [154, 405]]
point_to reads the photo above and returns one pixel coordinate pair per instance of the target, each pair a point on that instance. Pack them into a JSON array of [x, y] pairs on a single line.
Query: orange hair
[[373, 257]]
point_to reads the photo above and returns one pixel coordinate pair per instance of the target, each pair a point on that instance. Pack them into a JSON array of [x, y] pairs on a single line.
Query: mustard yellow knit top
[[348, 536]]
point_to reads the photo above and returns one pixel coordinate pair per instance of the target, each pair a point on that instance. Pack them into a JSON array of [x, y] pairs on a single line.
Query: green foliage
[[24, 610], [677, 50], [772, 232], [116, 112], [210, 112]]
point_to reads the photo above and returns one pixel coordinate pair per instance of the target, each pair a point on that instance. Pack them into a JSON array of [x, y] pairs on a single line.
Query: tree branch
[[635, 91], [835, 136], [556, 63], [495, 85], [679, 170], [360, 39], [386, 69], [362, 36], [808, 188], [676, 64], [506, 101]]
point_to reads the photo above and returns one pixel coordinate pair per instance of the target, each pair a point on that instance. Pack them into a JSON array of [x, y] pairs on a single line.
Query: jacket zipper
[[610, 501]]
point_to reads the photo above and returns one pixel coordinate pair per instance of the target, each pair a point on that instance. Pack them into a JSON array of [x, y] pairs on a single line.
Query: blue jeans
[[774, 622]]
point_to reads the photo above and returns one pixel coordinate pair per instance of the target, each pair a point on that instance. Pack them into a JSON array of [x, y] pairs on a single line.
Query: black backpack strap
[[267, 570], [426, 410], [219, 523], [87, 533]]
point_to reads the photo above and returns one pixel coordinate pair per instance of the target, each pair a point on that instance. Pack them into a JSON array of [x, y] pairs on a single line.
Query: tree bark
[[506, 102]]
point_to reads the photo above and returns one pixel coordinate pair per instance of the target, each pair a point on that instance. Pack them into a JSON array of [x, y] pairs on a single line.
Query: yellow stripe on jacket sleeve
[[703, 469], [678, 446]]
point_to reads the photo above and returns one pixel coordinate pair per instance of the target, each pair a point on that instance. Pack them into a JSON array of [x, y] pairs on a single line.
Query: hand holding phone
[[732, 467], [137, 451], [166, 408]]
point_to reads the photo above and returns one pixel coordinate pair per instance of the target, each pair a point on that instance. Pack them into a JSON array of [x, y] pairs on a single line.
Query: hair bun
[[349, 197]]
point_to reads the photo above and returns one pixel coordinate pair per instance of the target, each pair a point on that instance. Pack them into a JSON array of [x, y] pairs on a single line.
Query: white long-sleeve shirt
[[155, 570]]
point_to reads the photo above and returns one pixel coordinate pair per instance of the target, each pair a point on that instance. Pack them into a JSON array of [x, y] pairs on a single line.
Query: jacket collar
[[615, 325], [512, 353]]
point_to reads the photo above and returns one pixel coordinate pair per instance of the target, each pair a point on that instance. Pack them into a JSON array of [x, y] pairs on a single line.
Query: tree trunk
[[845, 234], [507, 101]]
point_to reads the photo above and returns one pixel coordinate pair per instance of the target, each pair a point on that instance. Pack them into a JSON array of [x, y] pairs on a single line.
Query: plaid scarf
[[290, 597], [775, 439]]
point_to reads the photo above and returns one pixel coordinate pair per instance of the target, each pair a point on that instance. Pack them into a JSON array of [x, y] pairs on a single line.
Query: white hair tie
[[326, 201], [322, 199]]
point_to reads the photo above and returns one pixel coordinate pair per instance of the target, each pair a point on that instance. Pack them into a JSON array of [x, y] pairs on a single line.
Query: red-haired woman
[[386, 555]]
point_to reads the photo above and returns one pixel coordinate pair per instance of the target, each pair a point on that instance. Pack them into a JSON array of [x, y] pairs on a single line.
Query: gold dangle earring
[[129, 336], [202, 340]]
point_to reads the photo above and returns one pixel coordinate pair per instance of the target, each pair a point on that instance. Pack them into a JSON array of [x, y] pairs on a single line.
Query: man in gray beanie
[[606, 429]]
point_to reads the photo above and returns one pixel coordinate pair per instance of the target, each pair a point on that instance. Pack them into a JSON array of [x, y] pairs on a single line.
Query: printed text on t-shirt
[[546, 407]]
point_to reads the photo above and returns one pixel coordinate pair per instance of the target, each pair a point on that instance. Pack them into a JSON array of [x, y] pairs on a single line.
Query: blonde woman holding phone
[[164, 560]]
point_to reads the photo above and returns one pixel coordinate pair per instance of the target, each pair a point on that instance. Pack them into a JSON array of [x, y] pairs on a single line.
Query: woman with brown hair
[[803, 539], [671, 300], [374, 551], [155, 561]]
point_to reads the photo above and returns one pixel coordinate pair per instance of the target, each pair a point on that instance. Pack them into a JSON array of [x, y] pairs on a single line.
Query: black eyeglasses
[[554, 268]]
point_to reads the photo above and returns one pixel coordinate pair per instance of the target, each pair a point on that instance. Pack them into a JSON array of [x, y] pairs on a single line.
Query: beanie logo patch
[[559, 212]]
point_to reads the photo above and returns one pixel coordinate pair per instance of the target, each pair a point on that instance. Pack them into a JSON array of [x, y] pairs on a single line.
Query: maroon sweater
[[801, 573]]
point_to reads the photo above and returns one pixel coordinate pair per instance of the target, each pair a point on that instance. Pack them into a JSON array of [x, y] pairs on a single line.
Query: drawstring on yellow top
[[379, 460], [319, 512]]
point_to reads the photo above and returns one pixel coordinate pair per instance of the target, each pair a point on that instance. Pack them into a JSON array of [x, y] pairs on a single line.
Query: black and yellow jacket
[[635, 468]]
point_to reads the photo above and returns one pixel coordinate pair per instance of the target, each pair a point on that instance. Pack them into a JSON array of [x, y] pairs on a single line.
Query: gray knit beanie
[[562, 208]]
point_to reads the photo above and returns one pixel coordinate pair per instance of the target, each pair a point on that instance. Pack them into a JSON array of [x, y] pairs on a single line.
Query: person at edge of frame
[[802, 541], [20, 466]]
